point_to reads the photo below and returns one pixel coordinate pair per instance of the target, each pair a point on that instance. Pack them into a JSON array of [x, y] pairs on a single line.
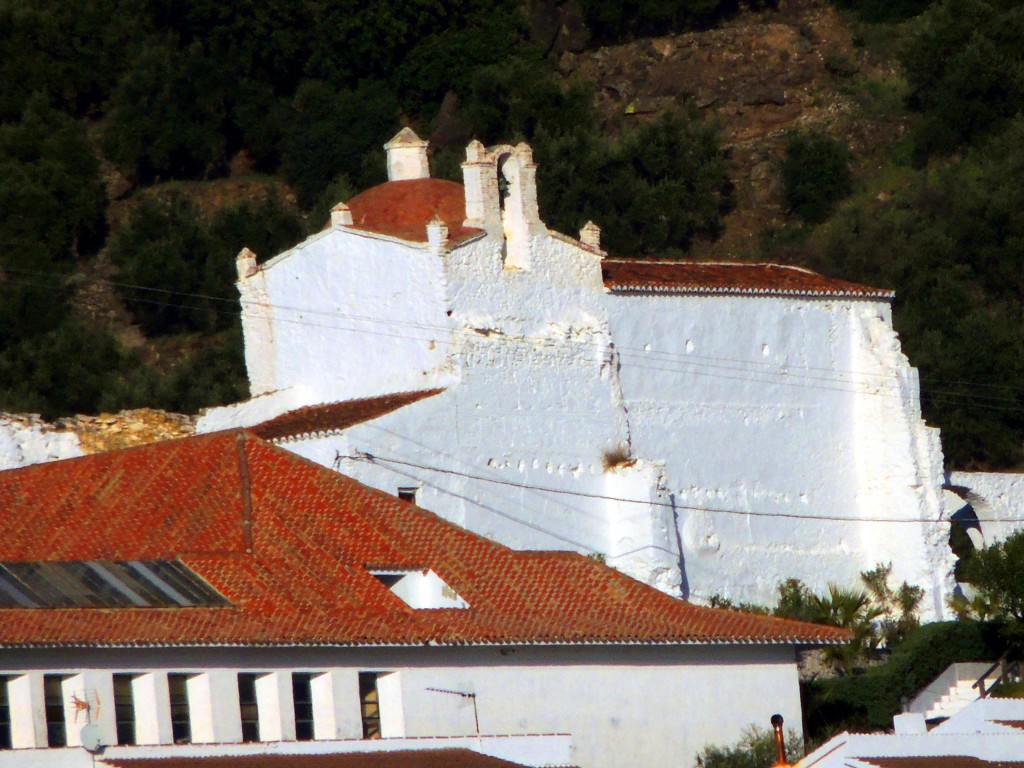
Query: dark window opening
[[250, 708], [369, 704], [181, 719], [408, 494], [503, 186], [302, 700], [5, 714], [124, 708], [53, 695]]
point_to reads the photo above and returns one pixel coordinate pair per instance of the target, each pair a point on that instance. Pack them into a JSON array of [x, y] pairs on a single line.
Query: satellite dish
[[91, 737]]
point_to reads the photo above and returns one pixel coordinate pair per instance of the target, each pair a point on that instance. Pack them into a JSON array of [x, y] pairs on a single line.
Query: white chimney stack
[[407, 157]]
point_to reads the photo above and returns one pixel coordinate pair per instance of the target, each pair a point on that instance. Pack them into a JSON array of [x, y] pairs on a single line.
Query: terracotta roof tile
[[636, 276], [339, 415], [403, 208], [305, 580], [408, 758]]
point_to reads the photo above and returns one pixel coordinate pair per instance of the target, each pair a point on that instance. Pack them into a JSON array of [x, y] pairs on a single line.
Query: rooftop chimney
[[780, 742], [341, 216], [407, 157]]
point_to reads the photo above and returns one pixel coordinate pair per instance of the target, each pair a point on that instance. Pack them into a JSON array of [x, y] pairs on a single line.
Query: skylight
[[104, 584], [419, 588]]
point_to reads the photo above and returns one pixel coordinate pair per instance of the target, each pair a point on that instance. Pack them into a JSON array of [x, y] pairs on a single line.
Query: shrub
[[756, 749], [962, 61], [166, 117], [162, 254], [654, 190], [815, 174], [332, 132], [869, 701]]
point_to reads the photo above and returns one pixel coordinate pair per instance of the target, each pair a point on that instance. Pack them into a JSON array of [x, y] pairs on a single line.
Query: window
[[302, 699], [419, 588], [104, 584], [124, 708], [408, 494], [249, 706], [181, 722], [369, 704], [5, 714], [53, 696]]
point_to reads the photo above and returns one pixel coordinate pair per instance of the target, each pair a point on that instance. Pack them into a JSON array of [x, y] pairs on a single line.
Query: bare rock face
[[758, 77], [110, 431]]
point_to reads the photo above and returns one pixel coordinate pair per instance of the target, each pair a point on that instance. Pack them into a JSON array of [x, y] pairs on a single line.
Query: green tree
[[161, 254], [995, 571], [66, 51], [899, 607], [756, 749], [332, 132], [652, 191], [51, 198], [963, 62], [168, 115], [815, 174], [952, 244]]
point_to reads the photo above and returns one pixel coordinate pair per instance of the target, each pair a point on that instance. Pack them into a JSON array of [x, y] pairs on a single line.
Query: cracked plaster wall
[[997, 498], [24, 441]]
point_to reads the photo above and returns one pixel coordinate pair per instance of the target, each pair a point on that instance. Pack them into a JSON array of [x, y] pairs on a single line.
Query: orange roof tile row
[[305, 580], [636, 276], [339, 415], [404, 208]]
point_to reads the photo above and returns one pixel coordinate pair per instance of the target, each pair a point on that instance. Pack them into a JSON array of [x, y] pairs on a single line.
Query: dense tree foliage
[[964, 63], [815, 174], [953, 245], [670, 174], [995, 571], [616, 20], [177, 272], [756, 749]]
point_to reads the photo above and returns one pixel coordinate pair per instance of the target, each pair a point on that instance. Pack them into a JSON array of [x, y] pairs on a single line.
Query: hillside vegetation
[[144, 142]]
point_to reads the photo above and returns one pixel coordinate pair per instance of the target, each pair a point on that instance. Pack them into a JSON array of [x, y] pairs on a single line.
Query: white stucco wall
[[24, 442], [657, 706], [734, 404], [997, 498], [746, 419], [338, 342]]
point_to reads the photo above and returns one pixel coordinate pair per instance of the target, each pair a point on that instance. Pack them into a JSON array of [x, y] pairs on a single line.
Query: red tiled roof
[[403, 209], [646, 276], [287, 542], [340, 415], [406, 758], [1018, 724]]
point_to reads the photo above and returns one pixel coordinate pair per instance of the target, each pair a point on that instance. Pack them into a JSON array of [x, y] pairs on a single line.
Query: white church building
[[709, 428]]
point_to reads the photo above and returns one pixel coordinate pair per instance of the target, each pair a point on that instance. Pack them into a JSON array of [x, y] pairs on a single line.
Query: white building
[[221, 596], [710, 428], [987, 734]]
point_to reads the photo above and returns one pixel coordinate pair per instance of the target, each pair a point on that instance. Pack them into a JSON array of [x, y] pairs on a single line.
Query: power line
[[382, 461], [640, 353], [784, 377]]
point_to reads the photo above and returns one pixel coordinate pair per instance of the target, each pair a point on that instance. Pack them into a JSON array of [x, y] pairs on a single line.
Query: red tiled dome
[[403, 209]]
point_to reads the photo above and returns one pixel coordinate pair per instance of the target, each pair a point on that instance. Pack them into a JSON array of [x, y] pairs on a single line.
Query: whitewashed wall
[[23, 443], [997, 498], [792, 408], [655, 706]]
